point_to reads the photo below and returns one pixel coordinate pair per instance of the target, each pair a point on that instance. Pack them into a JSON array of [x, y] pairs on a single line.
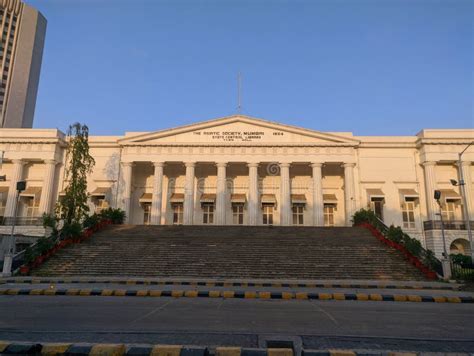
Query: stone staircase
[[231, 252]]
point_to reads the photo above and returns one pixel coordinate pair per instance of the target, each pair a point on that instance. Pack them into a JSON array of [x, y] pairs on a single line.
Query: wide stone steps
[[231, 252]]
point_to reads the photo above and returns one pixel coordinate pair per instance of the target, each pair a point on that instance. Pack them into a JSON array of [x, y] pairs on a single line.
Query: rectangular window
[[449, 211], [267, 214], [146, 213], [238, 214], [329, 214], [376, 205], [408, 213], [32, 206], [101, 204], [298, 214], [178, 214], [208, 213]]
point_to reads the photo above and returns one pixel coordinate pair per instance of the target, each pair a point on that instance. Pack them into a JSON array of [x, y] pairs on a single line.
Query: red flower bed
[[411, 258]]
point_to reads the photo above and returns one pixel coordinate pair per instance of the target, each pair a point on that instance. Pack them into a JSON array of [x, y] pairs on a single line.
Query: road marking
[[154, 311]]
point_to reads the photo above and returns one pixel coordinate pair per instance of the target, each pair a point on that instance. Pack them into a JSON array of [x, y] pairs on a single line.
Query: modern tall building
[[23, 32]]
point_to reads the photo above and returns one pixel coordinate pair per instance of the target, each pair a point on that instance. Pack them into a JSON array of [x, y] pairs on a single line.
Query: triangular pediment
[[238, 129]]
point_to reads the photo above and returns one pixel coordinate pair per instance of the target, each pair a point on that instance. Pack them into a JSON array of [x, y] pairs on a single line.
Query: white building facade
[[246, 171]]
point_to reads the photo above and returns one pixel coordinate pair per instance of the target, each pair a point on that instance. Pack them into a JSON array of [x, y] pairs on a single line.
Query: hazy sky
[[372, 67]]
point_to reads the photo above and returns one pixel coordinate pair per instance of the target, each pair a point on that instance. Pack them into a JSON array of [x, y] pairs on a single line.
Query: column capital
[[159, 164], [316, 164], [50, 161], [285, 164], [190, 164], [253, 164], [19, 161], [348, 165], [429, 163], [128, 164], [221, 164], [464, 163]]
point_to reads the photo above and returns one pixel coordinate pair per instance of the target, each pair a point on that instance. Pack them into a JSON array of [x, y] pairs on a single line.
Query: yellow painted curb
[[107, 292], [108, 350], [376, 297], [210, 284], [228, 294], [301, 295], [362, 296], [142, 293], [165, 350], [454, 300], [54, 349], [155, 293], [214, 294], [3, 291], [250, 295], [280, 352], [36, 291], [35, 281], [440, 299], [287, 295], [72, 291], [339, 296], [276, 285], [414, 298], [85, 292], [3, 345], [264, 295], [120, 292], [177, 293], [341, 353], [12, 291], [402, 354], [49, 291], [131, 282], [191, 293], [324, 296], [400, 298], [228, 284], [227, 351]]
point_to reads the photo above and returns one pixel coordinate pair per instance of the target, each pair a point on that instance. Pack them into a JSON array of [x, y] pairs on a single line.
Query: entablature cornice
[[387, 145]]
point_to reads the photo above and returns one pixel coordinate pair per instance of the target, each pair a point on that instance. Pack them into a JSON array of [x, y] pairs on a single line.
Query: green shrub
[[395, 234], [413, 245], [44, 244], [30, 254], [462, 260], [49, 220], [73, 229], [91, 220], [117, 216]]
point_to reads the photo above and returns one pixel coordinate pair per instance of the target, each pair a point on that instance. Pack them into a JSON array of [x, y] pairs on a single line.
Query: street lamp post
[[446, 263], [8, 258], [462, 185]]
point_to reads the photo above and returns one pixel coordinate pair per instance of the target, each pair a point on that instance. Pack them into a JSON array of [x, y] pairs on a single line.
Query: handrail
[[426, 256], [447, 225]]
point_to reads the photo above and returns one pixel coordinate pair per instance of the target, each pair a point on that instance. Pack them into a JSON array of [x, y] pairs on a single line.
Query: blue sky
[[373, 67]]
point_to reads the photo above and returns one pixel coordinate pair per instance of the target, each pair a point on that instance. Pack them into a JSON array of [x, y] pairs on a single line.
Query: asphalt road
[[212, 322]]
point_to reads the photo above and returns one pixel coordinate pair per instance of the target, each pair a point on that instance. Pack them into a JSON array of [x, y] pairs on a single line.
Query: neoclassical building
[[247, 171]]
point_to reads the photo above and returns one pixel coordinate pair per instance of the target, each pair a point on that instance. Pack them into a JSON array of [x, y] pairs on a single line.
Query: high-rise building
[[23, 32]]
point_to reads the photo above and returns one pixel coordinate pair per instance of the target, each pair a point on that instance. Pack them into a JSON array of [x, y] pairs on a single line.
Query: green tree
[[72, 206]]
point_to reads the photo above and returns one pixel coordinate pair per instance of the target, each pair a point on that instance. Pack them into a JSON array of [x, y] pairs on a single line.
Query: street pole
[[462, 184], [11, 246], [446, 263]]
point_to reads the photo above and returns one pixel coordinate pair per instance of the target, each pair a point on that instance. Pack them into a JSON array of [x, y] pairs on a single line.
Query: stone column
[[318, 201], [285, 198], [466, 172], [349, 191], [189, 194], [157, 194], [17, 175], [253, 193], [430, 186], [127, 168], [221, 193], [48, 186]]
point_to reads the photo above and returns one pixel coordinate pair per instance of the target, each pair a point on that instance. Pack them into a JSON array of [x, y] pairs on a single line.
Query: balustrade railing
[[448, 225], [22, 221]]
